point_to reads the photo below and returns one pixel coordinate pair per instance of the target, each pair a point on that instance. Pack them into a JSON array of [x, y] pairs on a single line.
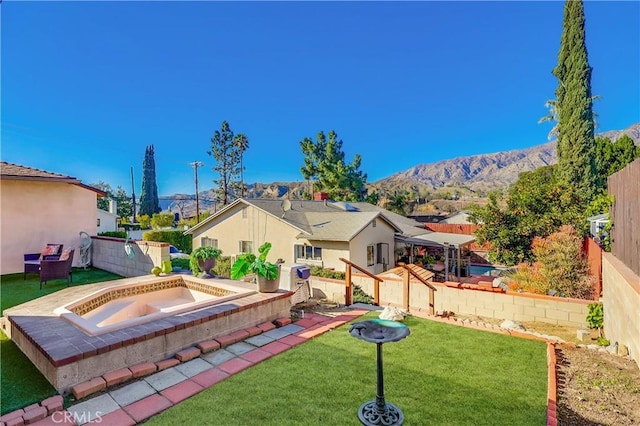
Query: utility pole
[[195, 166], [133, 198]]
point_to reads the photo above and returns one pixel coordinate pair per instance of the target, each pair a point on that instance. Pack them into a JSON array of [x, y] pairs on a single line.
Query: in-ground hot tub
[[130, 304]]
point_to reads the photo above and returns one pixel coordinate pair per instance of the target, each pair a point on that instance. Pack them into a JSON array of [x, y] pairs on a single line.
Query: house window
[[244, 213], [370, 255], [245, 247], [374, 223], [98, 221], [307, 252], [208, 242]]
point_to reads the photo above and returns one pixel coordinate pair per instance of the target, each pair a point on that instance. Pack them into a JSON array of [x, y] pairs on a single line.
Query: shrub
[[595, 317], [161, 220], [559, 268], [173, 237], [144, 221], [359, 296], [317, 271], [181, 263], [223, 267], [114, 234]]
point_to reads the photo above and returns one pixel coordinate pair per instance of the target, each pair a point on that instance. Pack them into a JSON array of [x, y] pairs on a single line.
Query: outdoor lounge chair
[[55, 269], [32, 260]]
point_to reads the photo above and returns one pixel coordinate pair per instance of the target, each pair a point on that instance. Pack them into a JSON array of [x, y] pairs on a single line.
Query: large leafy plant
[[202, 253], [248, 263]]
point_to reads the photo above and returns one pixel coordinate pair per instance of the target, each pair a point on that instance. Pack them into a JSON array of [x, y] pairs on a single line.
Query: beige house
[[40, 207], [311, 232]]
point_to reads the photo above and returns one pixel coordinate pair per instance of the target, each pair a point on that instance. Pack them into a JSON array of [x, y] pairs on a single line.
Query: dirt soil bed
[[596, 388]]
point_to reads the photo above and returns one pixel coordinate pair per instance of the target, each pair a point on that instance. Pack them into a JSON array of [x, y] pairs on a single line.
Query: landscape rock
[[512, 325], [392, 313]]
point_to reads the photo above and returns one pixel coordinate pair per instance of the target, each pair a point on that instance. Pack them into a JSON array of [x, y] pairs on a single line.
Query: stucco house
[[40, 207], [303, 231], [320, 233]]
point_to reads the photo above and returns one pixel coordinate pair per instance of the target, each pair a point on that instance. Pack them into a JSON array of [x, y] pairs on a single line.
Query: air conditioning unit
[[296, 278]]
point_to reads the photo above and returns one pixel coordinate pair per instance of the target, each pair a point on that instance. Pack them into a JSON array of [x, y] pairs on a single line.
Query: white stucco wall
[[372, 235], [35, 213], [108, 221]]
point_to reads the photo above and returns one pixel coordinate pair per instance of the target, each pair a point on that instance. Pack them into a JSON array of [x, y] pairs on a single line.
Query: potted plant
[[203, 259], [267, 273]]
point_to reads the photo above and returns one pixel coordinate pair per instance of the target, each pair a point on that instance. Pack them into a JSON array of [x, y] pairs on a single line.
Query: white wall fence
[[621, 300], [108, 254], [514, 306]]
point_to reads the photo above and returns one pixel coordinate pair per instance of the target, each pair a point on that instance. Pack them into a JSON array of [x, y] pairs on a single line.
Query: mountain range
[[476, 174]]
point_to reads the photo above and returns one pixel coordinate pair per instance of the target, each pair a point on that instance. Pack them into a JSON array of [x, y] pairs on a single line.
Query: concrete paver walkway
[[146, 397]]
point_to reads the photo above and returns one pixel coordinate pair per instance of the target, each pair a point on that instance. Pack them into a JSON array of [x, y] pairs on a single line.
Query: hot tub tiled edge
[[76, 357]]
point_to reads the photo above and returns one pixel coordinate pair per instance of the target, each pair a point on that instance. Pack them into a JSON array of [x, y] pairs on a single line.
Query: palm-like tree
[[552, 116], [242, 144]]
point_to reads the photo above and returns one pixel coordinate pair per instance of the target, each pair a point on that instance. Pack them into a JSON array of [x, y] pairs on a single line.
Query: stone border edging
[[552, 385], [312, 327]]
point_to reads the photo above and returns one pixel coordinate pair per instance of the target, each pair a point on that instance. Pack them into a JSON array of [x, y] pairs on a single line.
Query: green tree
[[324, 162], [103, 202], [574, 104], [122, 199], [397, 202], [612, 157], [227, 155], [535, 206], [149, 203], [242, 144], [161, 220]]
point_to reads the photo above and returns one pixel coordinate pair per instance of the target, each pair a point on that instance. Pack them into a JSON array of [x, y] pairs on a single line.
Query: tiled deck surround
[[66, 355]]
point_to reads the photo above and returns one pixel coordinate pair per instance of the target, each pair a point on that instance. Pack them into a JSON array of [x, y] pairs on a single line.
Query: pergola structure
[[452, 244]]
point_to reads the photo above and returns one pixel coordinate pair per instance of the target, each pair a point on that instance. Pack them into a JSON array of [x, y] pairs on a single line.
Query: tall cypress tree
[[149, 203], [574, 105]]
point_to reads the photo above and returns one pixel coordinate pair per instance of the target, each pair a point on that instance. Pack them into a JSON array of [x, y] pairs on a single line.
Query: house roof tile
[[18, 172], [10, 170]]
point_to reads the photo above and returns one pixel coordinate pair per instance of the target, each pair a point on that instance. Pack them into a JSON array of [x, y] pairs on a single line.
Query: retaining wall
[[514, 306], [621, 300], [108, 254]]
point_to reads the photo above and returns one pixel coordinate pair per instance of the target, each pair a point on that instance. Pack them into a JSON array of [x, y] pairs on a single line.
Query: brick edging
[[552, 384]]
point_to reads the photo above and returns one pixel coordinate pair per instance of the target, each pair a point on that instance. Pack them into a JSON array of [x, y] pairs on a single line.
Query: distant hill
[[473, 174], [486, 171]]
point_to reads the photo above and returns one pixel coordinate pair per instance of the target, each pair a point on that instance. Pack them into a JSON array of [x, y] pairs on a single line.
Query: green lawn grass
[[21, 383], [439, 375], [15, 291]]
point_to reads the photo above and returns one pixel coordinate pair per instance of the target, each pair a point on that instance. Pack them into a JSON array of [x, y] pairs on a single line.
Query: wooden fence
[[625, 215], [593, 253], [454, 228]]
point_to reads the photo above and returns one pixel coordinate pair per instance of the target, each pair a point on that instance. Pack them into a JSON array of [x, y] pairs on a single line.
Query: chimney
[[319, 196], [113, 206]]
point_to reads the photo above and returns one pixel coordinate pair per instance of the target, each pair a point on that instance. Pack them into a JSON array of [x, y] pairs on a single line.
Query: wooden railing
[[348, 297], [422, 275]]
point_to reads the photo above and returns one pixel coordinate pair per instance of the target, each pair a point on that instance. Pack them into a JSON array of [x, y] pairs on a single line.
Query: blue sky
[[86, 86]]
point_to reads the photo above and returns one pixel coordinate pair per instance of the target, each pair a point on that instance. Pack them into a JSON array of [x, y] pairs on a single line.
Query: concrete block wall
[[514, 306], [108, 254], [621, 300]]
